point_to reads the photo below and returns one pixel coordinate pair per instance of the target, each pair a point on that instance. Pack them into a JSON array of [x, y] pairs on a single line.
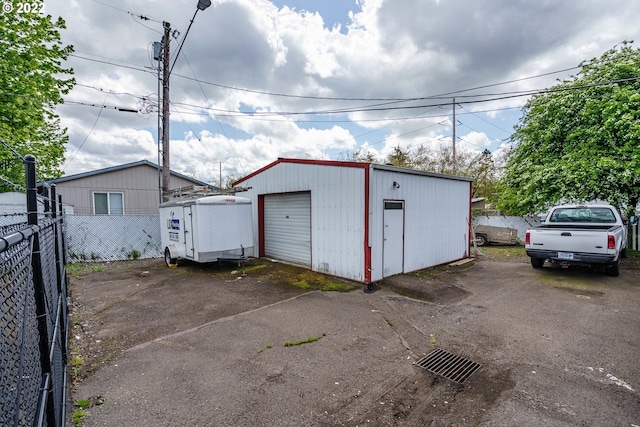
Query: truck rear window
[[585, 215]]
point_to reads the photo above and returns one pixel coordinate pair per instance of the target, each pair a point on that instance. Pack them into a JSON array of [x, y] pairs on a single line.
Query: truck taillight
[[527, 238], [611, 242]]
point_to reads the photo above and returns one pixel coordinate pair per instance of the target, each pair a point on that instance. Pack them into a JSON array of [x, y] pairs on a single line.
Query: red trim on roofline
[[307, 162]]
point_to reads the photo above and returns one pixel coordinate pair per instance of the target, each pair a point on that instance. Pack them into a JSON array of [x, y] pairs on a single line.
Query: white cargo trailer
[[207, 229]]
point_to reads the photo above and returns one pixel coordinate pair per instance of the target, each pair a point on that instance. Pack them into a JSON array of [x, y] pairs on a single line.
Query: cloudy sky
[[256, 79]]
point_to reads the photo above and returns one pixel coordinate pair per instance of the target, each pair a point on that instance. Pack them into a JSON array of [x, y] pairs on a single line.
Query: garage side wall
[[337, 212], [436, 218]]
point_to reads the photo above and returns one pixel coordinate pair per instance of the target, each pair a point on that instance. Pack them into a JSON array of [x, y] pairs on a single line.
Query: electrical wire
[[146, 18], [486, 121], [175, 59], [446, 95], [86, 137], [135, 68], [224, 132], [482, 98]]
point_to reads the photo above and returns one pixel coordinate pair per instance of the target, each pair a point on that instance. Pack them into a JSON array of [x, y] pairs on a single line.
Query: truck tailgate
[[570, 240]]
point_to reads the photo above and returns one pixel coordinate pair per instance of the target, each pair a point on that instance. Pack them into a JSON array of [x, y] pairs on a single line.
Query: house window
[[108, 204]]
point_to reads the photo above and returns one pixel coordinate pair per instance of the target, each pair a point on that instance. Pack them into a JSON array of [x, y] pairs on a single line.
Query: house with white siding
[[360, 221]]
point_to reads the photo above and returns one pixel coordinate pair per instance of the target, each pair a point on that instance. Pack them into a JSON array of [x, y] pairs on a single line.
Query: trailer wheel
[[481, 239], [614, 269], [171, 262], [537, 262]]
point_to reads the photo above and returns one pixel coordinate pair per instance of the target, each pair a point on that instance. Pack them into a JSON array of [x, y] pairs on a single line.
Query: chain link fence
[[113, 237], [33, 314]]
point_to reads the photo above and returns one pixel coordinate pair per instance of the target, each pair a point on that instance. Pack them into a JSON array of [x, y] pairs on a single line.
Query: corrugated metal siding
[[287, 227], [436, 218], [337, 212]]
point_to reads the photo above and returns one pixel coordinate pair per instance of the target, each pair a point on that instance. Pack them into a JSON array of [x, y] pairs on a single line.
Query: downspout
[[367, 245]]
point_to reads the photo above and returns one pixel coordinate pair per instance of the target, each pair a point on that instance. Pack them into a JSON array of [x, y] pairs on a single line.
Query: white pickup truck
[[589, 235]]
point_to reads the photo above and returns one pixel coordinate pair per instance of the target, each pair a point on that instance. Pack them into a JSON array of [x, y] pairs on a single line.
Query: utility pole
[[157, 55], [165, 113], [166, 72], [454, 136]]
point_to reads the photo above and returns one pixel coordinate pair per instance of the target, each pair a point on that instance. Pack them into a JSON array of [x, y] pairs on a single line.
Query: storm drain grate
[[450, 366]]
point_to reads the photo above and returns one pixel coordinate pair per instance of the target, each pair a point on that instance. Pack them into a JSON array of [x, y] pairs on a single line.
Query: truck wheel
[[614, 269], [171, 262], [537, 262], [481, 239]]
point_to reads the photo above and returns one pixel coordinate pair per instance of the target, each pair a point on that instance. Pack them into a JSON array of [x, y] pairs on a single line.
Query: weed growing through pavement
[[82, 403], [267, 346], [78, 269], [307, 341], [97, 268], [432, 340], [78, 417]]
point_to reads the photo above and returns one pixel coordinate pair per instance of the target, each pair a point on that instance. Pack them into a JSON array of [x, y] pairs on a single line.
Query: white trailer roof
[[210, 200]]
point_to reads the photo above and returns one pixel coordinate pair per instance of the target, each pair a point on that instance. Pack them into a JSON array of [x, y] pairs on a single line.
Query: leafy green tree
[[480, 166], [32, 82], [358, 155], [484, 171], [581, 140], [401, 158], [419, 157]]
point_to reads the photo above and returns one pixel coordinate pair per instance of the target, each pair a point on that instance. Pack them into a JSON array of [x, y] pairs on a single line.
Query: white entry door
[[393, 234]]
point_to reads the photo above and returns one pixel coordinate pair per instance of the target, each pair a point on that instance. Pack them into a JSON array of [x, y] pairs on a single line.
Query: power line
[[135, 68], [381, 108], [87, 137], [486, 121], [446, 95], [481, 98], [224, 132], [146, 18]]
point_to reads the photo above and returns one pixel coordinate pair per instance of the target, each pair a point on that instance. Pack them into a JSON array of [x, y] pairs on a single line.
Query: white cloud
[[383, 51]]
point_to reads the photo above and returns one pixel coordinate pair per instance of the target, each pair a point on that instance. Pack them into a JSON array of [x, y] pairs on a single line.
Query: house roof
[[121, 167], [361, 165]]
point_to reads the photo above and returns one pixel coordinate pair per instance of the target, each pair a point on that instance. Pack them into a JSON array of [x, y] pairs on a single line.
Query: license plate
[[565, 255]]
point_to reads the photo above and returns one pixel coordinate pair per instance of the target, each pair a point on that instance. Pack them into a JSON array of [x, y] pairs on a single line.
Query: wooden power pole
[[166, 172], [454, 136]]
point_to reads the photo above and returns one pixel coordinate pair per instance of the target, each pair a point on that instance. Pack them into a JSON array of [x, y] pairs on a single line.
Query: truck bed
[[591, 235], [567, 238]]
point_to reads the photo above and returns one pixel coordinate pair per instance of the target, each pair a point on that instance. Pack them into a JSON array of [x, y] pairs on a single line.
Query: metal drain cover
[[450, 366]]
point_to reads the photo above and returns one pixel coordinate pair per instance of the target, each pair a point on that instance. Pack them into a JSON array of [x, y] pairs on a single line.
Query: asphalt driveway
[[202, 346]]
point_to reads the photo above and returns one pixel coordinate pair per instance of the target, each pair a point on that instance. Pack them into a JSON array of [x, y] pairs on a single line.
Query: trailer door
[[188, 228]]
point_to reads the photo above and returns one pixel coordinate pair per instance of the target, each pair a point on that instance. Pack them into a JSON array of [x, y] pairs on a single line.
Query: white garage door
[[287, 227]]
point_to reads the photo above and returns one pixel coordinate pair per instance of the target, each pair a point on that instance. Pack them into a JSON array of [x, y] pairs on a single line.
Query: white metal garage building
[[360, 221]]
